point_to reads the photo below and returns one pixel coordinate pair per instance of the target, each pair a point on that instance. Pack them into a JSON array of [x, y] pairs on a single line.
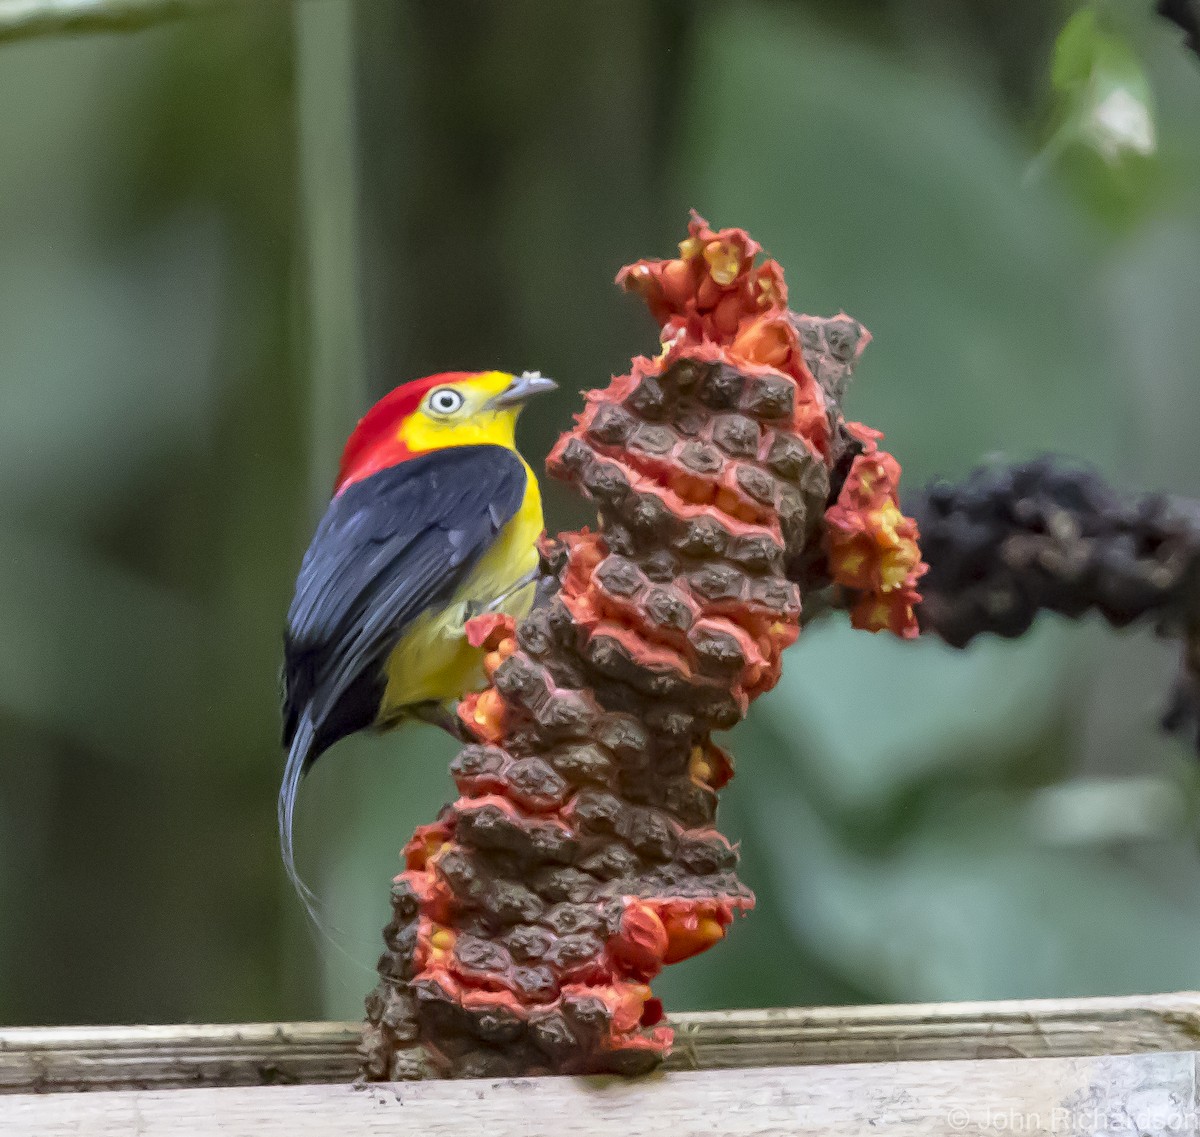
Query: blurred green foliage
[[215, 234]]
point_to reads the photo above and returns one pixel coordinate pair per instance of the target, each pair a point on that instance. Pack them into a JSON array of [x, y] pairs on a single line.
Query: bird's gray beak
[[524, 386]]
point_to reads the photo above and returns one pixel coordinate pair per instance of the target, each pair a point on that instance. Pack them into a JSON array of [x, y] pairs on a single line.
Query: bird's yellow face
[[470, 410], [455, 408]]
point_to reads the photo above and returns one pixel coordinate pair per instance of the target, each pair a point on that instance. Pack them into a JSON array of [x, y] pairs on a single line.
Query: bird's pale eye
[[445, 401]]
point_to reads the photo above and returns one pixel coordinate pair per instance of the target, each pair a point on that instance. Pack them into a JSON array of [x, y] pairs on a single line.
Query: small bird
[[435, 518]]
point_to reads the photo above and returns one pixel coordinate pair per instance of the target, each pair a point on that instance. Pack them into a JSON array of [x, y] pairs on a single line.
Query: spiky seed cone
[[582, 854]]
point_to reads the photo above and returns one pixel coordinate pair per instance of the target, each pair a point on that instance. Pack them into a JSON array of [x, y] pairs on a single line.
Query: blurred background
[[222, 236]]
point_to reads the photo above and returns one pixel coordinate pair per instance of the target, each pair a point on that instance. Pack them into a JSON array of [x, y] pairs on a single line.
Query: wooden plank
[[1142, 1094], [143, 1057], [140, 1057]]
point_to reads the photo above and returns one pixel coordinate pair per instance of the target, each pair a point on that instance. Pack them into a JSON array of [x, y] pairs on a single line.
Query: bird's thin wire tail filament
[[293, 774]]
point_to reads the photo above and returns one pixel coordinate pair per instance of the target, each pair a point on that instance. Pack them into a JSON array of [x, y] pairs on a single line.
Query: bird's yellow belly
[[433, 662]]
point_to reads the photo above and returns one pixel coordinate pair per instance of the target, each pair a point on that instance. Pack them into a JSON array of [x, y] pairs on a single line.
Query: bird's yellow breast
[[433, 662]]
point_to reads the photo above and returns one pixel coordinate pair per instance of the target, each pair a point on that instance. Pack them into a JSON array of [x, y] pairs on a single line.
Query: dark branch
[[1012, 541]]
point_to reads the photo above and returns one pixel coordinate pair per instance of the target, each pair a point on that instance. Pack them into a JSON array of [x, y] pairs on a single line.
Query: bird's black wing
[[387, 548]]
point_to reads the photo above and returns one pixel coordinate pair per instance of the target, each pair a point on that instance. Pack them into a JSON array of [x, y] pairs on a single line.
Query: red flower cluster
[[872, 546], [713, 302], [711, 287], [582, 854]]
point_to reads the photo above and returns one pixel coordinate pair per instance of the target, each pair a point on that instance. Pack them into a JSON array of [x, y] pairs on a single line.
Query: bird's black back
[[388, 548]]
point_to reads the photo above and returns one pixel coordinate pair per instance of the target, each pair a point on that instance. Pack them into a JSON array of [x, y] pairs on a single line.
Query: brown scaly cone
[[582, 855]]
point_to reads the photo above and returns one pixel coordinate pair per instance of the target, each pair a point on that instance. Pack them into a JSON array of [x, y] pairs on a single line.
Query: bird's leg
[[528, 579], [472, 608], [442, 716]]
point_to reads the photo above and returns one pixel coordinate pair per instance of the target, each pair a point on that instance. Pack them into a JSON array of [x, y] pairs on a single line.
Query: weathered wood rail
[[1045, 1066]]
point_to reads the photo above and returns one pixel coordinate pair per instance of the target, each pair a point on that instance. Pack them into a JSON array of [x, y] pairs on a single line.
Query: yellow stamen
[[884, 522], [849, 563], [724, 264], [699, 766]]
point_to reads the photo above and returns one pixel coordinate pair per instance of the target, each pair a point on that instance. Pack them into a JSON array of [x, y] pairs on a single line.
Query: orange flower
[[891, 612], [484, 714], [769, 288], [697, 286], [425, 843], [641, 942], [692, 929], [871, 546], [677, 280], [768, 340], [489, 631]]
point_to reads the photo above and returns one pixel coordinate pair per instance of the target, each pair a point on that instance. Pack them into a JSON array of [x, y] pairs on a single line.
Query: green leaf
[[1075, 50], [867, 718], [1105, 97], [972, 907]]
